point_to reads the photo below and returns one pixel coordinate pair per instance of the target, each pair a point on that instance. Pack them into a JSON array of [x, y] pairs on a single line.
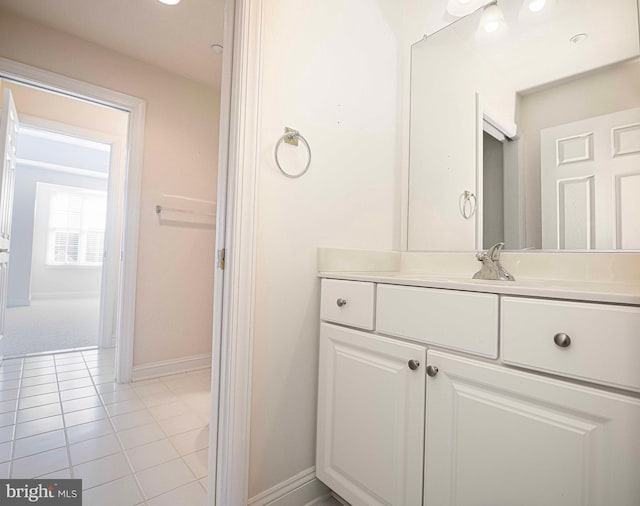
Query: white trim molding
[[64, 295], [136, 107], [62, 168], [303, 488], [219, 302], [174, 366], [235, 334]]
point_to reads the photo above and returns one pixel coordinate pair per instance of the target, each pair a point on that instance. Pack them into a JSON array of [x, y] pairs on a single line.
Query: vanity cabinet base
[[371, 398], [500, 436]]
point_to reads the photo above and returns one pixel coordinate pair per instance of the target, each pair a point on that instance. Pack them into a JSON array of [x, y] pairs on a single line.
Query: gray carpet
[[49, 325]]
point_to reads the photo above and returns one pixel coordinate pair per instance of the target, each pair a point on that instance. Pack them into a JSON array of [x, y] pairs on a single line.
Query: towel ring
[[292, 136], [468, 204]]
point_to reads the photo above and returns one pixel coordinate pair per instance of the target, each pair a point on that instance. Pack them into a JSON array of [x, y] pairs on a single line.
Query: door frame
[[26, 74], [498, 125], [111, 264], [234, 290]]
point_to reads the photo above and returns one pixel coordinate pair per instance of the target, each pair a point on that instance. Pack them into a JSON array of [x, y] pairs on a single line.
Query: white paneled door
[[370, 417], [591, 183], [8, 139], [497, 436]]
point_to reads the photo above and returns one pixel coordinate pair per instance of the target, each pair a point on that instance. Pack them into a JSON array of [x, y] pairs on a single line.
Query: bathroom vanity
[[442, 390], [439, 389]]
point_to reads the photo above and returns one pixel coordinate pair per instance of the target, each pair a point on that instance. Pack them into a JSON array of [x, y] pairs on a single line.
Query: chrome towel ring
[[468, 204], [292, 136]]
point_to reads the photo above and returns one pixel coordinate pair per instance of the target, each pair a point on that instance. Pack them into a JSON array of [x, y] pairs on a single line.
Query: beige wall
[[175, 264], [62, 109], [602, 92]]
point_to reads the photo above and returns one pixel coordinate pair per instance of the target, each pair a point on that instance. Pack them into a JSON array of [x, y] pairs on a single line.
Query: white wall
[[339, 71], [175, 264], [332, 70], [602, 92]]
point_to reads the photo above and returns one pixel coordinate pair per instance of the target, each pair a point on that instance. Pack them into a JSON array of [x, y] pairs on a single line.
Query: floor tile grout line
[[64, 426], [15, 422], [168, 438], [40, 452], [134, 476], [45, 354], [182, 457], [117, 436], [195, 480]]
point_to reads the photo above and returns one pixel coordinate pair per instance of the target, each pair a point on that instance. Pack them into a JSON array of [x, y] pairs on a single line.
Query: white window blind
[[76, 227]]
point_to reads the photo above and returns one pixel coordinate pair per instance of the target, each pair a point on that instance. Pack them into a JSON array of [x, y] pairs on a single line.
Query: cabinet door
[[370, 444], [497, 436]]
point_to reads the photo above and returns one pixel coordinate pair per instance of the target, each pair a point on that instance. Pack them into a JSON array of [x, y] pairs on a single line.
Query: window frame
[[83, 230]]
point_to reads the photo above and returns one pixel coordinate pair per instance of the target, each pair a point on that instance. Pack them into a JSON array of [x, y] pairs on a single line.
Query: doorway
[[121, 265], [65, 231]]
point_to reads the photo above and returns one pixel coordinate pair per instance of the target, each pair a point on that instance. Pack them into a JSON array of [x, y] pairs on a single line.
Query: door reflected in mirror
[[540, 121]]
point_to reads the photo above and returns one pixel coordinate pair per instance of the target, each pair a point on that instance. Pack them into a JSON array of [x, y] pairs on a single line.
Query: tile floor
[[62, 416]]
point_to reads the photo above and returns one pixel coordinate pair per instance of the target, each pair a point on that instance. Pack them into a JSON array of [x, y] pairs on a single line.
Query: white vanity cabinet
[[519, 401], [499, 436], [599, 343], [371, 417]]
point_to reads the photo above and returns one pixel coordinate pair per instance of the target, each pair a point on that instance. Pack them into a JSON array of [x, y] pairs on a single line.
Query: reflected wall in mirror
[[530, 134]]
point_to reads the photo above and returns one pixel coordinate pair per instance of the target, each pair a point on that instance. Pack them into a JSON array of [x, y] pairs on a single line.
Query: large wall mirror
[[525, 128]]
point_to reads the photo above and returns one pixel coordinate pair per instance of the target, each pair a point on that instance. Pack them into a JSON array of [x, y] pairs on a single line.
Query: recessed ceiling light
[[536, 5], [579, 38], [216, 48], [170, 2]]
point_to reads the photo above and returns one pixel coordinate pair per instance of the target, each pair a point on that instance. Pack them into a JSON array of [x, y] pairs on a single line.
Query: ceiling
[[177, 38]]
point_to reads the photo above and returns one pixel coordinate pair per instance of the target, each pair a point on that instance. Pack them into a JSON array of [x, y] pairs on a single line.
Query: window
[[76, 227]]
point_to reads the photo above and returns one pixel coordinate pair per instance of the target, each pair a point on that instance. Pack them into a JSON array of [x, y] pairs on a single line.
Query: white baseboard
[[167, 367], [303, 488]]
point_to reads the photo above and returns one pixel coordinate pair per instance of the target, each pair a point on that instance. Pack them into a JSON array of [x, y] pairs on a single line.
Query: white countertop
[[616, 293]]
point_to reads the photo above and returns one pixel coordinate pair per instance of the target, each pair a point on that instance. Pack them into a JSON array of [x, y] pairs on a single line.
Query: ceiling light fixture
[[170, 2], [537, 9], [536, 5], [492, 18], [216, 48]]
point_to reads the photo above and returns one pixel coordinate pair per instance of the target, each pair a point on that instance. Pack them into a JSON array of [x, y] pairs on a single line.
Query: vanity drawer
[[464, 321], [603, 346], [348, 302]]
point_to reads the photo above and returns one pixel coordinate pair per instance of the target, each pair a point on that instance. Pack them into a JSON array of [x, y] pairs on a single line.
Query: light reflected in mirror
[[539, 121]]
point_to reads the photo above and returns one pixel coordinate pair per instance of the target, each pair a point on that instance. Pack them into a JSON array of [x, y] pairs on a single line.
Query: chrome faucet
[[491, 266]]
